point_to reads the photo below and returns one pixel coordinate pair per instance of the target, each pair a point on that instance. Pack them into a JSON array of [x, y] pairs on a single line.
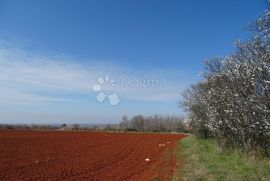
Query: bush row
[[232, 102]]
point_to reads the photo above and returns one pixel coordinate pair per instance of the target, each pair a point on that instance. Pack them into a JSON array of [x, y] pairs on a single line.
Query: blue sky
[[52, 53]]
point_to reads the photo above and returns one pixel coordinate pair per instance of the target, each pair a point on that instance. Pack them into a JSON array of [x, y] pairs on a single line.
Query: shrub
[[232, 102]]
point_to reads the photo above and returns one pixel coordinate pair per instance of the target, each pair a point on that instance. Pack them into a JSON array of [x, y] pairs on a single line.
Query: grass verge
[[203, 160]]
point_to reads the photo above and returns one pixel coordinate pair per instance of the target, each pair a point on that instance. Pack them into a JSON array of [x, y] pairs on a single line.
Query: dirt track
[[43, 155]]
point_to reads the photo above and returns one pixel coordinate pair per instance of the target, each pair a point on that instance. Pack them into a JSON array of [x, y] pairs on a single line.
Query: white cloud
[[36, 78], [32, 78]]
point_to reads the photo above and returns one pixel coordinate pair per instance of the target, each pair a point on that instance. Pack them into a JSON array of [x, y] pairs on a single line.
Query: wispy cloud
[[28, 77], [35, 78]]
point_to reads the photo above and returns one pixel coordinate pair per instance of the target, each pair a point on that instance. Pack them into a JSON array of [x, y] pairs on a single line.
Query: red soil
[[53, 155]]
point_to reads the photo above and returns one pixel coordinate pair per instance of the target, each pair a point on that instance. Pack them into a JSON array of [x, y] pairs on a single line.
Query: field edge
[[204, 160]]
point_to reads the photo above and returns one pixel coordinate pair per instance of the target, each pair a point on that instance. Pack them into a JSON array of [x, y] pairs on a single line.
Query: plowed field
[[60, 155]]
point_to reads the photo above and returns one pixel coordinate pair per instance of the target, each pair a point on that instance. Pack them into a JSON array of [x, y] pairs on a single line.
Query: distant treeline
[[27, 126], [48, 127], [156, 123], [138, 123]]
